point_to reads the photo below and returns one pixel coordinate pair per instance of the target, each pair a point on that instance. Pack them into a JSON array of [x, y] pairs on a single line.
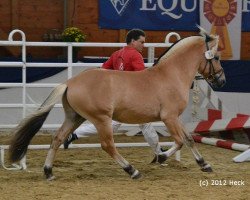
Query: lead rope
[[196, 100]]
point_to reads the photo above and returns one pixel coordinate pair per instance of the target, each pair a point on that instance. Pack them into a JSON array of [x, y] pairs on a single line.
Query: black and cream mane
[[202, 33]]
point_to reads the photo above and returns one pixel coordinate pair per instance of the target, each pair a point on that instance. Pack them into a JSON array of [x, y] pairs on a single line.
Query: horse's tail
[[30, 125]]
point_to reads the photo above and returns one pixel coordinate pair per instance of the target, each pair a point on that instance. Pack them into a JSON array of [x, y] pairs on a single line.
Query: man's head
[[136, 39]]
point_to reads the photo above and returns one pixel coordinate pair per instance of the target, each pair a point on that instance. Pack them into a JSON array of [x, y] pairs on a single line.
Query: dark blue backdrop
[[14, 74], [133, 14]]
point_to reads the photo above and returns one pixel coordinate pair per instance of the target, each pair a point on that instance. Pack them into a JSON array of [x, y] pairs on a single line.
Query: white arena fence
[[25, 104]]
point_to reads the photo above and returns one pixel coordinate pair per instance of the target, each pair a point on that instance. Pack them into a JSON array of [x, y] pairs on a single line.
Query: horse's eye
[[217, 58]]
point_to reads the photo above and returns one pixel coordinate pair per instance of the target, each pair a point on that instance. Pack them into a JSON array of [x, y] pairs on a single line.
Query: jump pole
[[245, 156]]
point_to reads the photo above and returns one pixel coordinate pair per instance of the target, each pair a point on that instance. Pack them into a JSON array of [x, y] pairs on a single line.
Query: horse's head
[[210, 66]]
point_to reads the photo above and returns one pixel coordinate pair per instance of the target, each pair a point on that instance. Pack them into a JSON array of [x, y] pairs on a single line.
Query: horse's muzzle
[[218, 82]]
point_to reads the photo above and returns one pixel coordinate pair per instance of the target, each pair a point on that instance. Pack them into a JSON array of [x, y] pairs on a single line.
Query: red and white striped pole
[[221, 143]]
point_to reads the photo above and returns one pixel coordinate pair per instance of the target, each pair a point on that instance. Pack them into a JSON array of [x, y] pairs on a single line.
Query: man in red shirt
[[128, 58]]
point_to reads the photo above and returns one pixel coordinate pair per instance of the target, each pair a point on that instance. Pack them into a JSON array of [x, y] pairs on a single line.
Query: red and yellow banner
[[223, 18]]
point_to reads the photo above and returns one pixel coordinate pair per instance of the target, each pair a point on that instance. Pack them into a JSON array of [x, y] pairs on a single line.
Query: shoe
[[161, 158], [163, 149], [70, 139]]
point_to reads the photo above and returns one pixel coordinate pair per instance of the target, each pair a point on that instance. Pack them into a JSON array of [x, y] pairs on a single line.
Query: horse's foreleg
[[107, 144], [67, 127], [173, 126], [189, 141]]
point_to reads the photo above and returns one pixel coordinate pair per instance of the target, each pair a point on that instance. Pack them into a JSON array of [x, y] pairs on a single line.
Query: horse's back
[[102, 80]]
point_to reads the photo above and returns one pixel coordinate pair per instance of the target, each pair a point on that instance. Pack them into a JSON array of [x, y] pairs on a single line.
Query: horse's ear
[[215, 47], [209, 38], [204, 34]]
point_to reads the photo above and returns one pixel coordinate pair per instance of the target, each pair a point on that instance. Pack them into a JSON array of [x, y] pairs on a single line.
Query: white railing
[[69, 65]]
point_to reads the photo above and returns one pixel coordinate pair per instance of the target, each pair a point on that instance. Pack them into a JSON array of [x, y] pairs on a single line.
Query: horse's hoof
[[48, 173], [51, 178], [161, 158], [136, 175], [207, 168]]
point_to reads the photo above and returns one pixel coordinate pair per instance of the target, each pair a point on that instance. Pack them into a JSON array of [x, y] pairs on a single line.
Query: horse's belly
[[135, 116]]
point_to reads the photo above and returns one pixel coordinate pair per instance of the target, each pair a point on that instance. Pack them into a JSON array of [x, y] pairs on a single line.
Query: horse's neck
[[183, 60]]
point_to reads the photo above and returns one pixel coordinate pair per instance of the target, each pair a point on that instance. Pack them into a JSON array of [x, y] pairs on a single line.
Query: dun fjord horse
[[159, 93]]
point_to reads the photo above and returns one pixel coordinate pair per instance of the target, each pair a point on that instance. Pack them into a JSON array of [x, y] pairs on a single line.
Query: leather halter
[[213, 76]]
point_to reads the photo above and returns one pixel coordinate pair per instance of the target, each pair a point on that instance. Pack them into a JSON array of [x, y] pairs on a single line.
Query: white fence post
[[24, 78]]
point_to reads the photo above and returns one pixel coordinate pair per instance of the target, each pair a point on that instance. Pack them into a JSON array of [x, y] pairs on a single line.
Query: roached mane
[[203, 33]]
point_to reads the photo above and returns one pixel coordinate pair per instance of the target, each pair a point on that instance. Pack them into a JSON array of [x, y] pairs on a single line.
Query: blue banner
[[178, 15], [246, 21]]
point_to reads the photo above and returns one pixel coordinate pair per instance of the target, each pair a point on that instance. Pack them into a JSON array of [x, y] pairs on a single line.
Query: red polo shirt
[[125, 59]]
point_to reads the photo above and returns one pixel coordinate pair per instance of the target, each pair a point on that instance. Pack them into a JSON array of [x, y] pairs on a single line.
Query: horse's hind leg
[[180, 135], [67, 127], [107, 142], [189, 141], [71, 122]]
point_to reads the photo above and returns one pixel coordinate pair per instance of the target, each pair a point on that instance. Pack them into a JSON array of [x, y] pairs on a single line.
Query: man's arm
[[108, 64], [137, 62]]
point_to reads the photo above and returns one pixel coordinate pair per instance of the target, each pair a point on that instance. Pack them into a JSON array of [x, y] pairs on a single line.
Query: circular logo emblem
[[220, 12]]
